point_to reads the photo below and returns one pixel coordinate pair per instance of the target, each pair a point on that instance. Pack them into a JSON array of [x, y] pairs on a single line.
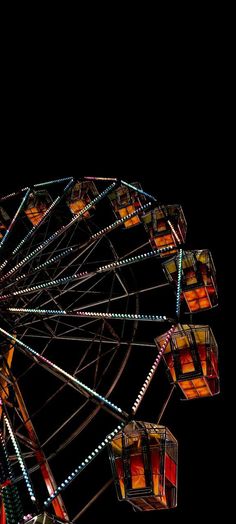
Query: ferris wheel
[[81, 260]]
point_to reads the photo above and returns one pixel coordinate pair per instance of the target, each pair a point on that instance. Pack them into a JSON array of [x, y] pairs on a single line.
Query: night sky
[[187, 178]]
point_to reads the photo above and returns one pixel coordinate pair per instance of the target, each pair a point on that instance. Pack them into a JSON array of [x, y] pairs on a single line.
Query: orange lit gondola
[[126, 200], [198, 281], [38, 204], [144, 465], [192, 360], [80, 196], [166, 226]]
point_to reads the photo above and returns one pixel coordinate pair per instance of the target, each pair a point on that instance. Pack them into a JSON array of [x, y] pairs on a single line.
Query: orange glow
[[193, 305], [120, 473], [137, 471], [202, 354], [201, 292], [161, 225], [214, 366], [155, 460], [3, 519], [204, 303], [164, 240], [192, 361], [186, 361], [197, 299], [170, 363], [77, 205], [158, 489], [145, 466], [4, 369], [190, 295], [198, 387], [126, 211], [170, 470], [2, 229], [190, 277], [35, 215]]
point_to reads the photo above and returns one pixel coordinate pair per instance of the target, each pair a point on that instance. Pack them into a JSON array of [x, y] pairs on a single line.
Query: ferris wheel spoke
[[152, 372], [139, 190], [32, 365], [100, 302], [65, 290], [118, 223], [51, 182], [92, 500], [72, 329], [140, 344], [63, 424], [99, 235], [96, 360], [40, 267], [79, 429], [117, 263], [57, 233], [87, 251], [47, 213], [83, 465], [95, 314], [99, 178], [85, 275], [173, 387], [122, 316], [19, 457], [178, 291], [14, 194], [124, 296], [119, 297], [11, 225], [37, 452], [100, 279], [46, 285], [64, 375], [99, 349]]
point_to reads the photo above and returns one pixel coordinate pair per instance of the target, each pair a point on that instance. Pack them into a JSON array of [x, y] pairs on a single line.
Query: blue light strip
[[138, 190], [49, 364], [133, 260], [54, 259], [15, 217], [92, 314], [77, 276], [33, 229], [123, 316], [120, 221], [20, 460], [44, 217], [46, 285], [178, 294], [54, 182], [83, 464], [6, 197], [100, 178], [57, 233], [152, 371], [38, 311]]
